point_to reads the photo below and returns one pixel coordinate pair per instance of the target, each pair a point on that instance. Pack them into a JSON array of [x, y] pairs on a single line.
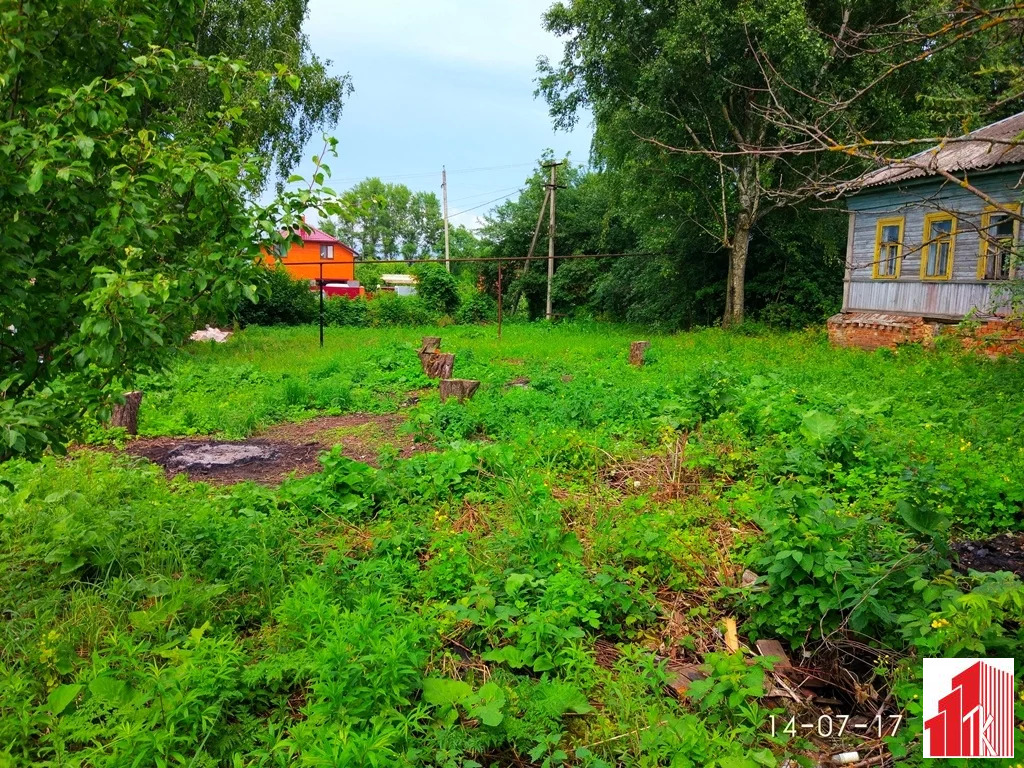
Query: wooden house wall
[[909, 294]]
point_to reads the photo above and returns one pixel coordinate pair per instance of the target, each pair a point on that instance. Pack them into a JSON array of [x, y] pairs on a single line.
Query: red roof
[[315, 236]]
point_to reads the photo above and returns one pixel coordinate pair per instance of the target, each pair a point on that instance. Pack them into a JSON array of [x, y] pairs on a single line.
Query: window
[[326, 251], [888, 248], [999, 231], [937, 249]]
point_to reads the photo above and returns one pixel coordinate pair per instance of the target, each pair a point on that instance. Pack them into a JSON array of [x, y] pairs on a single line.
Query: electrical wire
[[483, 194], [481, 205]]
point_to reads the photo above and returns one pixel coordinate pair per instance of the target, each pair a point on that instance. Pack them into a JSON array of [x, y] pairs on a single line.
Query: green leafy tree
[[678, 92], [389, 221], [589, 221], [125, 213], [295, 106]]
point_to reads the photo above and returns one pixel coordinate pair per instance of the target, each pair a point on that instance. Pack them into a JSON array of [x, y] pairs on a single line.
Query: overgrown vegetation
[[126, 208], [450, 609]]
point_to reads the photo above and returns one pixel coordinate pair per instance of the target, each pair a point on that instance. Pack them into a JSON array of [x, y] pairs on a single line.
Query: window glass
[[888, 248], [940, 248], [997, 247]]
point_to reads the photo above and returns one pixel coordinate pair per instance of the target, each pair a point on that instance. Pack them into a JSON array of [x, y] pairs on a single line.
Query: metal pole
[[444, 195], [551, 239], [321, 305], [499, 299]]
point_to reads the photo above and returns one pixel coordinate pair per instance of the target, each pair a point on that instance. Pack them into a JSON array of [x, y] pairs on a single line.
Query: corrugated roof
[[398, 279], [996, 144], [314, 235]]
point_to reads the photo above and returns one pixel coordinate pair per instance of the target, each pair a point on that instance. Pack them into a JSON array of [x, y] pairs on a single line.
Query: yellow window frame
[[876, 273], [986, 220], [929, 219]]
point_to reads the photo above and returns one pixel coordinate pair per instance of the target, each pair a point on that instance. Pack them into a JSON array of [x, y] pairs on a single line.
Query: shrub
[[282, 301], [343, 311], [438, 288], [476, 307], [387, 309]]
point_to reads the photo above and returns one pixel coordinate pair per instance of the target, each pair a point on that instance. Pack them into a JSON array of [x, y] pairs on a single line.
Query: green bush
[[340, 310], [476, 307], [387, 309], [437, 288], [282, 300]]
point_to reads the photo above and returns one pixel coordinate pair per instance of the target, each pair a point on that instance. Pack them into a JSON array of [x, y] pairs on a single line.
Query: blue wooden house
[[931, 237]]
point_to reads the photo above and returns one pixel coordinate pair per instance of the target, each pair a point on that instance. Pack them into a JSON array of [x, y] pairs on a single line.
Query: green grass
[[443, 610]]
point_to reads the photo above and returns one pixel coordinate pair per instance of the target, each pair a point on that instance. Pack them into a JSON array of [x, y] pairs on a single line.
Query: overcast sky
[[441, 82]]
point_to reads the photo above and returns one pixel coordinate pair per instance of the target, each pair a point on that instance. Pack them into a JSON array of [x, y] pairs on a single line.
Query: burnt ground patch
[[228, 461], [1000, 553], [280, 451]]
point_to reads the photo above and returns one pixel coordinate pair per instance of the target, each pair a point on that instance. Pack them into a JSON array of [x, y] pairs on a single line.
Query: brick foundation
[[872, 330]]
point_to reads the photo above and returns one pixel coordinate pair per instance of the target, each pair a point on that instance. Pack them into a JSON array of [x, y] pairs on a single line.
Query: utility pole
[[444, 195], [552, 186]]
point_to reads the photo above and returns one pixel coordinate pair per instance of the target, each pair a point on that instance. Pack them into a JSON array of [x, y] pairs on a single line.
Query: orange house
[[319, 251]]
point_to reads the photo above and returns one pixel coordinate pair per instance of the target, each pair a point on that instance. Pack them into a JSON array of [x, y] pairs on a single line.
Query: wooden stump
[[430, 344], [438, 365], [637, 350], [460, 388], [127, 415]]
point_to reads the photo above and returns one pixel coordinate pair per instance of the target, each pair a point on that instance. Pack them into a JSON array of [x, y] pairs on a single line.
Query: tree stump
[[459, 388], [127, 415], [438, 365], [637, 350], [430, 344]]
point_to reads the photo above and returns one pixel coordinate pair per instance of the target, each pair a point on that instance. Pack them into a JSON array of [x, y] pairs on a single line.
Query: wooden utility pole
[[552, 186], [444, 196]]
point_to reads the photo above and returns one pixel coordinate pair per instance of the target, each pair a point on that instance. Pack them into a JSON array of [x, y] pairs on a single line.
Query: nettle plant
[[129, 212]]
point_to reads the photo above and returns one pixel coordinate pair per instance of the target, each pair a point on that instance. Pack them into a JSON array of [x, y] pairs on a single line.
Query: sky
[[441, 83]]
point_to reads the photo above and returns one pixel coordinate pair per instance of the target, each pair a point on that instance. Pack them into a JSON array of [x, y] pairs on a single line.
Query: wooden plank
[[681, 676], [771, 647]]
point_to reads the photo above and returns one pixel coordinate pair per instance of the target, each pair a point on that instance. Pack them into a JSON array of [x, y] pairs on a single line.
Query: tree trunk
[[459, 388], [127, 415], [637, 350], [735, 290], [430, 344], [438, 365], [748, 197]]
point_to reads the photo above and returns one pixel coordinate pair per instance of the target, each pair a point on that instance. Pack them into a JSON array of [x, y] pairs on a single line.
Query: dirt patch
[[1002, 553], [279, 451], [226, 462], [360, 435]]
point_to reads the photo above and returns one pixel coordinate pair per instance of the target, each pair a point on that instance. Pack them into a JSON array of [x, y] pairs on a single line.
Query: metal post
[[499, 299], [321, 286], [444, 194], [552, 186]]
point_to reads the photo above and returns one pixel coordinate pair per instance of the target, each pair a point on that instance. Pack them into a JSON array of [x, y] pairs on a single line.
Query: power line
[[484, 194], [481, 205]]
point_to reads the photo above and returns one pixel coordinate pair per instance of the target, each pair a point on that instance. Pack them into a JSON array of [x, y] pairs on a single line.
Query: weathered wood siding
[[909, 294]]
